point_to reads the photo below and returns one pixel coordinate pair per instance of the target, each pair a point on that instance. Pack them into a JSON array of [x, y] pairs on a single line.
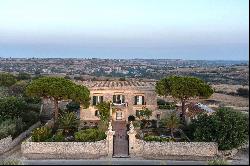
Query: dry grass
[[229, 100], [228, 88]]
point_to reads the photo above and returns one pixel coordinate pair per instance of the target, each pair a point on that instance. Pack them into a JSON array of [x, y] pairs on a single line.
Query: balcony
[[119, 104]]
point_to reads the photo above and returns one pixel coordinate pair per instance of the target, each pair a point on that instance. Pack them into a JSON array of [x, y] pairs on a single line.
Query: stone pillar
[[110, 136], [131, 134]]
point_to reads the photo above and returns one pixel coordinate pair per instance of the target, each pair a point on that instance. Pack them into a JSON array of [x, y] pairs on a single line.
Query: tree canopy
[[183, 88], [7, 79], [104, 110], [147, 113], [226, 127], [57, 89], [23, 76], [18, 89]]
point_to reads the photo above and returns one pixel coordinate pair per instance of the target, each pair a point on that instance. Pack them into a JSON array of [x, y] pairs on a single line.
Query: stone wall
[[7, 143], [64, 150], [69, 150], [174, 150]]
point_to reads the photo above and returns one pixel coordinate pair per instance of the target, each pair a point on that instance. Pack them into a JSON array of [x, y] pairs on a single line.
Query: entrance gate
[[120, 141]]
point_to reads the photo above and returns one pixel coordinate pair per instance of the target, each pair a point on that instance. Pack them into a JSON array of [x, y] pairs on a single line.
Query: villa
[[127, 98]]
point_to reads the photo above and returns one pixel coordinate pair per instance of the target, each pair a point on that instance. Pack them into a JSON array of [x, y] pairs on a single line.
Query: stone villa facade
[[127, 98]]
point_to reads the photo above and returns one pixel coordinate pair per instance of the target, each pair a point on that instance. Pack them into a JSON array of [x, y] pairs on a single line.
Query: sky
[[125, 29]]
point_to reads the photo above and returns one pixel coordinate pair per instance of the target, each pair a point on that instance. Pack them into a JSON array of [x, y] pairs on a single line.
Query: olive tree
[[183, 89], [57, 89]]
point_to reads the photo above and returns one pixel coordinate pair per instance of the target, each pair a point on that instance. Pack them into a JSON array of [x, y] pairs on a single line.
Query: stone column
[[131, 133], [110, 136]]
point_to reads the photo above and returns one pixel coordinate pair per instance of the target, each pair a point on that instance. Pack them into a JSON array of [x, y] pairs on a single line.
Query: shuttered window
[[143, 102], [118, 99], [139, 100], [97, 100]]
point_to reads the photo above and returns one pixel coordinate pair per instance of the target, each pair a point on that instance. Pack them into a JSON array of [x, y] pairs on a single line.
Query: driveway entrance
[[120, 139]]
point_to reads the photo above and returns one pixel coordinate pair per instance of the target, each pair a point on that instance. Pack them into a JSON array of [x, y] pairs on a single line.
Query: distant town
[[216, 72]]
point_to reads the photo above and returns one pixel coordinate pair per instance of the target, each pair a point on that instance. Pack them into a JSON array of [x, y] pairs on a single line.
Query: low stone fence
[[7, 143], [64, 150], [175, 150], [69, 150]]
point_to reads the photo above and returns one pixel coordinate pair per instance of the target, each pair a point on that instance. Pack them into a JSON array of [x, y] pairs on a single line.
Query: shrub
[[30, 117], [103, 125], [32, 100], [7, 128], [104, 110], [11, 161], [73, 106], [23, 76], [20, 126], [158, 139], [12, 107], [41, 134], [244, 92], [161, 102], [68, 121], [90, 135], [226, 127], [137, 124], [218, 162], [131, 118], [59, 137]]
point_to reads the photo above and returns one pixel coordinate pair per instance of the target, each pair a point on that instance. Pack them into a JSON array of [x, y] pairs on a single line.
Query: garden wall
[[64, 150], [7, 143], [175, 150]]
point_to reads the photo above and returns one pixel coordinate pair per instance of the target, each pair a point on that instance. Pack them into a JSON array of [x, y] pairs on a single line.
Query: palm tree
[[68, 121], [172, 122]]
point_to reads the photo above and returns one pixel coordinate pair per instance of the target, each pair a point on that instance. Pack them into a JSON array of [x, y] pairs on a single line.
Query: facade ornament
[[110, 126], [131, 126]]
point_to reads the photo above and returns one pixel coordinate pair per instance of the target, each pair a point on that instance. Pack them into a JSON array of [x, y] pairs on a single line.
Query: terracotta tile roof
[[116, 84]]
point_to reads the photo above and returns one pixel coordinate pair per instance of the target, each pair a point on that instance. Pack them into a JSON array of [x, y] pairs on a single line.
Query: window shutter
[[101, 99], [143, 103], [94, 100], [114, 99], [135, 100], [123, 99]]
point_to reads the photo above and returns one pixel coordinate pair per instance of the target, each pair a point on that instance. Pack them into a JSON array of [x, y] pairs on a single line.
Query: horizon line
[[127, 59]]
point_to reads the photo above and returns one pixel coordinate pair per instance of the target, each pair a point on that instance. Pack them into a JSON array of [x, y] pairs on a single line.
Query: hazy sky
[[180, 29]]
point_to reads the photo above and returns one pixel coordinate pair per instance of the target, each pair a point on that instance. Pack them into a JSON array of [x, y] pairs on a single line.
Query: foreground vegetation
[[229, 128], [17, 111], [67, 130]]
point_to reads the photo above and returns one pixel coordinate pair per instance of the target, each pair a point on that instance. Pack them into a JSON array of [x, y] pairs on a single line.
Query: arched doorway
[[119, 115]]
